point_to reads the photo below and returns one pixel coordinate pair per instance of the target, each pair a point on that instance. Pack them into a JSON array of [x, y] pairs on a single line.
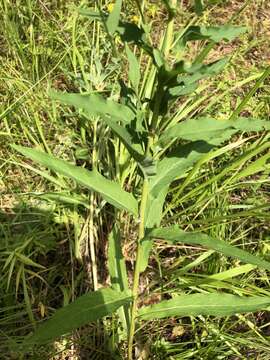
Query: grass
[[46, 45]]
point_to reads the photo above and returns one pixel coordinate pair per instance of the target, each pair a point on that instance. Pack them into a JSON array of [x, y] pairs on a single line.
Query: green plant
[[164, 149]]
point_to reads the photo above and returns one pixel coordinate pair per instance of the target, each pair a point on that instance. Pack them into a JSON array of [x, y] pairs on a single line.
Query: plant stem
[[166, 46], [137, 267]]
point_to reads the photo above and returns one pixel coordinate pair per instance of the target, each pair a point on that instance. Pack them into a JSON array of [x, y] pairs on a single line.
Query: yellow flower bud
[[110, 7]]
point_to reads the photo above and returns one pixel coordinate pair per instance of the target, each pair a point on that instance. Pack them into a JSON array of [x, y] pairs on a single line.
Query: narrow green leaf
[[159, 58], [116, 262], [211, 130], [254, 167], [181, 90], [93, 180], [188, 76], [198, 4], [87, 308], [114, 17], [201, 71], [134, 68], [204, 304], [153, 217], [118, 271], [96, 105], [27, 261], [174, 235], [91, 14], [212, 33], [176, 164], [171, 11], [65, 198]]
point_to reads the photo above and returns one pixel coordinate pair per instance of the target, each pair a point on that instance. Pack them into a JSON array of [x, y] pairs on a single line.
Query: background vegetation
[[47, 242]]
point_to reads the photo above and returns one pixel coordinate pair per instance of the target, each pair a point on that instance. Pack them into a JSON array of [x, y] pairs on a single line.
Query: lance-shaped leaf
[[93, 15], [134, 68], [176, 164], [212, 33], [65, 198], [171, 11], [174, 235], [116, 262], [197, 72], [173, 166], [96, 105], [211, 130], [184, 73], [153, 217], [204, 304], [87, 308], [93, 180], [114, 17], [198, 4], [187, 81]]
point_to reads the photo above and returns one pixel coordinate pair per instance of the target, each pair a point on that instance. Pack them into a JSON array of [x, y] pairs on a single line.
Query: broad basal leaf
[[211, 130], [204, 304], [213, 33], [109, 190], [174, 235], [95, 105], [89, 307]]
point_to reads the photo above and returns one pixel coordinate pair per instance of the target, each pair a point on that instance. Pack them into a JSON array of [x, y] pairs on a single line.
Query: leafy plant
[[164, 148]]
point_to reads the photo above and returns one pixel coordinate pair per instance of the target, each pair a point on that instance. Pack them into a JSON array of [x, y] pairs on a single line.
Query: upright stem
[[137, 267], [166, 46]]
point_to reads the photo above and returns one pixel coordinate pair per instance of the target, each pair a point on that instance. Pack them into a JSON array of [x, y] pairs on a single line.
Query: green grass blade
[[174, 235], [116, 262], [204, 304], [87, 308], [93, 180], [118, 272]]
